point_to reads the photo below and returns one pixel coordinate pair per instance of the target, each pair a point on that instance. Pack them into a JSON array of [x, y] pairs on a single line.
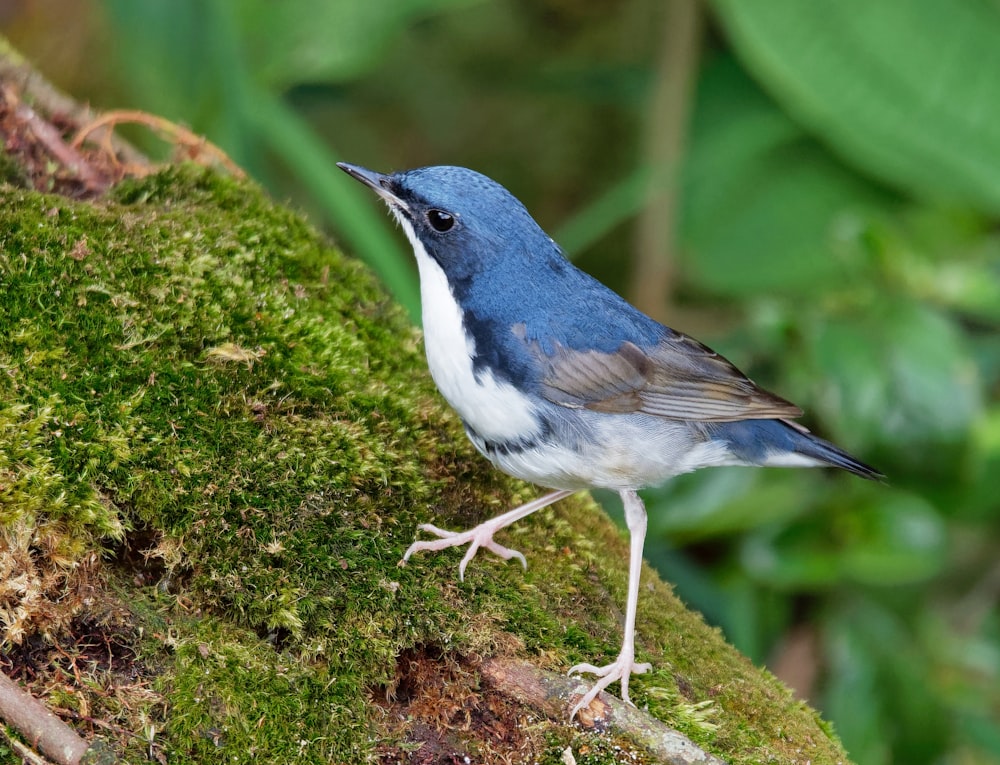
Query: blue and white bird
[[559, 381]]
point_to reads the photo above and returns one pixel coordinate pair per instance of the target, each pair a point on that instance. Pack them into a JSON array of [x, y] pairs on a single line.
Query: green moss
[[192, 376]]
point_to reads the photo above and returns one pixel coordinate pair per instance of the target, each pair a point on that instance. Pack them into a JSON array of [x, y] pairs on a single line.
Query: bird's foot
[[620, 669], [476, 537], [482, 535]]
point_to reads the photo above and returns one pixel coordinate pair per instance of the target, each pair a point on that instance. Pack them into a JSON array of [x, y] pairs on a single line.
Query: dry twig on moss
[[46, 732]]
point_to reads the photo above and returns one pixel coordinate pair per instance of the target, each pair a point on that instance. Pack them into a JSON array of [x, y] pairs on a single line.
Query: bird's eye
[[440, 220]]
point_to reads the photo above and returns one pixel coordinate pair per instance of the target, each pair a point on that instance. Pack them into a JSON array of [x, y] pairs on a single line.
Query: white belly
[[609, 452]]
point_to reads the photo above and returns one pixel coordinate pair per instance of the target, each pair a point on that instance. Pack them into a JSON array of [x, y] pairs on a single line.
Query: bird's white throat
[[493, 408]]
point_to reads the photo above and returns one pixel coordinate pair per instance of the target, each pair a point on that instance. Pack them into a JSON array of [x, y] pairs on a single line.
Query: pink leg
[[624, 665], [482, 535]]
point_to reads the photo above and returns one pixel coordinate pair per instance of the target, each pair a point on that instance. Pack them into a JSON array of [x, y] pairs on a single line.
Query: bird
[[561, 382]]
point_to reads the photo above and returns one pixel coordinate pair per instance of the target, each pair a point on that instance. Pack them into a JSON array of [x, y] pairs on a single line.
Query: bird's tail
[[830, 454], [781, 443]]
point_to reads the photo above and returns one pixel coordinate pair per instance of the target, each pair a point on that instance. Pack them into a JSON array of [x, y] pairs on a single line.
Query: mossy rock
[[217, 438]]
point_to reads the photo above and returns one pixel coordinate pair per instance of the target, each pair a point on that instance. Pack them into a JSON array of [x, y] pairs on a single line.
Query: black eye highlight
[[440, 220]]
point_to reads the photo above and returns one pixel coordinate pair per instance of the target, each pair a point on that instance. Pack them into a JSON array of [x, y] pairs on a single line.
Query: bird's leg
[[482, 535], [624, 665]]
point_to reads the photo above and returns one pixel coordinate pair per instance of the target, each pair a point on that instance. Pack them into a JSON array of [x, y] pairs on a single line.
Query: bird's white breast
[[493, 408]]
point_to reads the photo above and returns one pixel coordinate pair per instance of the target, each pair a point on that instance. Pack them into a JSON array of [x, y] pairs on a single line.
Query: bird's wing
[[678, 379]]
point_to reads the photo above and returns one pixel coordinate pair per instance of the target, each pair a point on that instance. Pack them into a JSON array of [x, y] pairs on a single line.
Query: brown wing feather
[[678, 379]]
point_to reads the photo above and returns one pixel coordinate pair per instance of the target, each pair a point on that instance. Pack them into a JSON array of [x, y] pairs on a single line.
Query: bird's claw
[[621, 669], [480, 536]]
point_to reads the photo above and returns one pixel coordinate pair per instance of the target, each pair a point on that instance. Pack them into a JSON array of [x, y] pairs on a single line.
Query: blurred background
[[811, 188]]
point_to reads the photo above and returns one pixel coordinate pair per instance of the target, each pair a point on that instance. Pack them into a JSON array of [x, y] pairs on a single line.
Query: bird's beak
[[377, 182]]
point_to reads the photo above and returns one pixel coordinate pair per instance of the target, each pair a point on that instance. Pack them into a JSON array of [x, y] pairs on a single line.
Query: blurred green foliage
[[837, 237]]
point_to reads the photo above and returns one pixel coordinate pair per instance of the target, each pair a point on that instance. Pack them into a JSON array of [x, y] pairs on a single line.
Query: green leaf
[[763, 202], [800, 556], [901, 376], [297, 41], [722, 502], [176, 63], [887, 701], [982, 731], [897, 539], [893, 538], [905, 91], [853, 696]]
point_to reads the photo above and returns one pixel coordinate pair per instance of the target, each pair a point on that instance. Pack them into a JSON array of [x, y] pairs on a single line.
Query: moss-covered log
[[217, 438]]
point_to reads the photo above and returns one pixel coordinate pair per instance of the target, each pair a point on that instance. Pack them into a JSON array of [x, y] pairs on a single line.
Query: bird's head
[[462, 219]]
